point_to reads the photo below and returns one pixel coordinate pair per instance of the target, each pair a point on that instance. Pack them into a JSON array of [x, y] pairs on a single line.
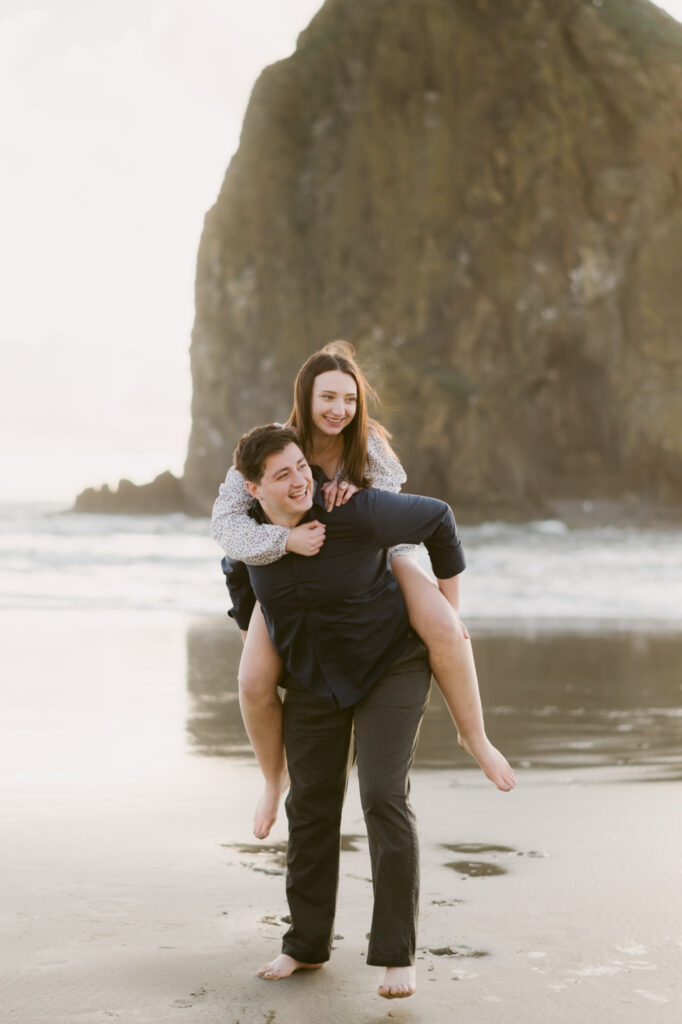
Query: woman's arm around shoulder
[[240, 536]]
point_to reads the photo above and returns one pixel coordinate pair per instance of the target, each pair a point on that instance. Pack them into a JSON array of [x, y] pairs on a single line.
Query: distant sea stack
[[485, 197]]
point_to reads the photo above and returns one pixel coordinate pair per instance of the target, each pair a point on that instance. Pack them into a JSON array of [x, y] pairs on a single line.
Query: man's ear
[[253, 489]]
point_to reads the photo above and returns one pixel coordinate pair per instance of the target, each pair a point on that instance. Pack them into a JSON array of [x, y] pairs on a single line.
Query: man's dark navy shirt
[[338, 618]]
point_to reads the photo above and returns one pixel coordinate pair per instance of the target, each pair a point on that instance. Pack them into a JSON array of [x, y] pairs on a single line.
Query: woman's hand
[[337, 492], [306, 539]]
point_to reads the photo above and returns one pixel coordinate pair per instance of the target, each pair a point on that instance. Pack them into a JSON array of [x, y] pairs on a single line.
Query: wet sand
[[133, 891]]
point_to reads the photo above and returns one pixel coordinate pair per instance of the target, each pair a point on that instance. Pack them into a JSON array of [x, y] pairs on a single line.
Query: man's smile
[[297, 493]]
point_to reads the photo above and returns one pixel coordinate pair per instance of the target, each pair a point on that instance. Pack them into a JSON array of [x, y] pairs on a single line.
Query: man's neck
[[279, 518]]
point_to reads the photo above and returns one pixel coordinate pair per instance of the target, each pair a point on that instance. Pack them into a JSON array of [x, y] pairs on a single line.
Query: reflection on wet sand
[[130, 875], [214, 723], [551, 701], [268, 858], [274, 855]]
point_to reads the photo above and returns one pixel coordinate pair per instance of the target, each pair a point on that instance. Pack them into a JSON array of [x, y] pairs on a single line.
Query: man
[[353, 668]]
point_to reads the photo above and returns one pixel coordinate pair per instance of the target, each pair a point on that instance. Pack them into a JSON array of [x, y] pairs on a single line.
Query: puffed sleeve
[[386, 472], [240, 536], [387, 475]]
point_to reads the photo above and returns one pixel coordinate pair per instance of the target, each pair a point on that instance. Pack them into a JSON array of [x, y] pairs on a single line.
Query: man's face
[[286, 488]]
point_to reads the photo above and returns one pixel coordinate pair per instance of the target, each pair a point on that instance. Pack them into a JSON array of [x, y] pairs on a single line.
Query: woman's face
[[334, 401]]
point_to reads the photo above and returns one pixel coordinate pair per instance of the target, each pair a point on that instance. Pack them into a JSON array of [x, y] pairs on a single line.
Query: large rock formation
[[485, 197]]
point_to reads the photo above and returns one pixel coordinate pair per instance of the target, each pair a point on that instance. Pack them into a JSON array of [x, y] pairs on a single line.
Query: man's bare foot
[[493, 764], [399, 983], [265, 815], [283, 966]]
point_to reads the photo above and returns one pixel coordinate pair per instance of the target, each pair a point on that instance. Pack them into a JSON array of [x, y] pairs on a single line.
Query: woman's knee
[[255, 686], [430, 614], [259, 673], [440, 630], [260, 667]]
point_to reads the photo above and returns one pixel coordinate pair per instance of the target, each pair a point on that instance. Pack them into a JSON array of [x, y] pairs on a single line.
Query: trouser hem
[[303, 955], [399, 960]]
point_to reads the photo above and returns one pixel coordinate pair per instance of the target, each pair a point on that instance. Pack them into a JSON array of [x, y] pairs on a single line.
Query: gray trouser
[[318, 744]]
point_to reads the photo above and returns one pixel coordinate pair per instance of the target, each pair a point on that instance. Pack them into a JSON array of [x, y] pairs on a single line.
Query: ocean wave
[[541, 574]]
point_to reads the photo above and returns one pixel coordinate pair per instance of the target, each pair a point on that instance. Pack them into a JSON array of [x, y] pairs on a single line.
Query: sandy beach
[[133, 890]]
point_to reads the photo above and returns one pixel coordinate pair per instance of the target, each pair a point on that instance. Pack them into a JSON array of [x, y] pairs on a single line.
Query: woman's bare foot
[[493, 764], [283, 966], [399, 983], [265, 815]]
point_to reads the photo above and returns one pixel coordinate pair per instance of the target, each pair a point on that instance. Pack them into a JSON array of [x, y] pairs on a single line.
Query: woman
[[330, 417]]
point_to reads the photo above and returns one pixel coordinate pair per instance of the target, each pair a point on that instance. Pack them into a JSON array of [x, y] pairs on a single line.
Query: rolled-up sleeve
[[411, 518], [241, 592]]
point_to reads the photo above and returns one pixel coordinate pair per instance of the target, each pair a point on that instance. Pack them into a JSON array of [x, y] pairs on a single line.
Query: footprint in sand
[[459, 951], [475, 868]]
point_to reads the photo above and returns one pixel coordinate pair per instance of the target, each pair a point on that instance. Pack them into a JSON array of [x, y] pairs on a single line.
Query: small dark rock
[[163, 495]]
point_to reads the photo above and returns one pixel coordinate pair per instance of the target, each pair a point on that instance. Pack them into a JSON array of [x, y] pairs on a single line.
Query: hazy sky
[[117, 123]]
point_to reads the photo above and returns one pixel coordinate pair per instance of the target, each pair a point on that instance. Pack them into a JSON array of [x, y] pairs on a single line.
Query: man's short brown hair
[[255, 447]]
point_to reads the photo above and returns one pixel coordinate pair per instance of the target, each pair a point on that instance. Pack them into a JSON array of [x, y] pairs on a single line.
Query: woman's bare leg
[[452, 663], [259, 671]]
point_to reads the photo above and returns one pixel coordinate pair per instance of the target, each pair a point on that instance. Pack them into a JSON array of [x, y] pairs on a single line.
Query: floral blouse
[[242, 538]]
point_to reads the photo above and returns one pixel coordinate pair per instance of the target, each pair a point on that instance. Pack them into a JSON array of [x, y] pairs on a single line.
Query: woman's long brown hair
[[338, 355]]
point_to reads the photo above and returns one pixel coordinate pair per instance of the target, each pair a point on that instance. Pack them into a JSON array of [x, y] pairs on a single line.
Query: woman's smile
[[334, 401]]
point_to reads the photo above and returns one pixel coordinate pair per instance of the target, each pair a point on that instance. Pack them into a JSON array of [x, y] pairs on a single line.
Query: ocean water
[[538, 576], [576, 635]]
